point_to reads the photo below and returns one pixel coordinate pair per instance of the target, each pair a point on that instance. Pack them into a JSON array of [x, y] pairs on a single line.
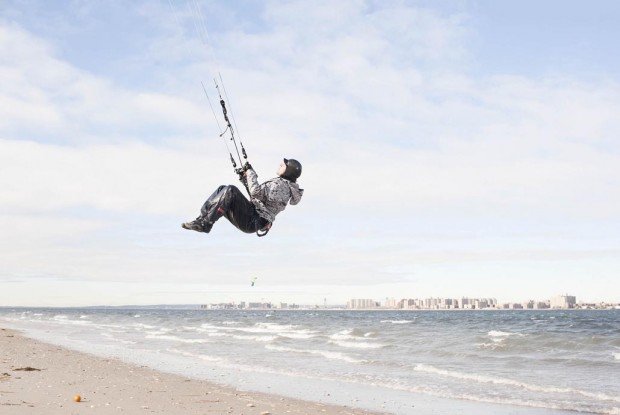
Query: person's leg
[[204, 222], [240, 211], [227, 201]]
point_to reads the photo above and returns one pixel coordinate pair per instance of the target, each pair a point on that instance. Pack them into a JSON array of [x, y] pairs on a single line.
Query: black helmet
[[293, 170]]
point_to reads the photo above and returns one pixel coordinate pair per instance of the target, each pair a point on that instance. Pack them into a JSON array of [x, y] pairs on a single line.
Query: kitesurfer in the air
[[258, 213]]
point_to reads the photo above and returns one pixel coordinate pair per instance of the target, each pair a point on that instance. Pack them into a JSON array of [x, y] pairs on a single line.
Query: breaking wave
[[326, 354], [511, 382]]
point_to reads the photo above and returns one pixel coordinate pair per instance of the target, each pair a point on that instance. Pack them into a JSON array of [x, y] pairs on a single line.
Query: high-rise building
[[357, 303], [563, 301]]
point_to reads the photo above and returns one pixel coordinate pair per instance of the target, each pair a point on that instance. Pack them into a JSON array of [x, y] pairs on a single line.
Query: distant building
[[218, 306], [563, 301], [529, 305], [363, 303], [261, 306], [390, 303]]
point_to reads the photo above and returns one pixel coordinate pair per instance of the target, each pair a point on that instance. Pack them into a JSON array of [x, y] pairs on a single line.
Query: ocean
[[402, 362]]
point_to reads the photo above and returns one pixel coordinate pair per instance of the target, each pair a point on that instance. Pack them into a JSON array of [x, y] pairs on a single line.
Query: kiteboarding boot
[[198, 225]]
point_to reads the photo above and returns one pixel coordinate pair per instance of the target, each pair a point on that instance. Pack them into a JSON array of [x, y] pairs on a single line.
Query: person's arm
[[255, 189], [296, 196]]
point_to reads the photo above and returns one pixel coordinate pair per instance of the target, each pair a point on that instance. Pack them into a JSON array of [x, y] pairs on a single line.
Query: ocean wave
[[158, 332], [499, 337], [297, 335], [344, 335], [175, 338], [255, 338], [442, 393], [493, 345], [325, 353], [512, 382], [195, 355], [357, 344], [64, 320], [352, 334], [140, 326], [499, 333], [283, 330], [616, 356], [397, 321], [116, 339]]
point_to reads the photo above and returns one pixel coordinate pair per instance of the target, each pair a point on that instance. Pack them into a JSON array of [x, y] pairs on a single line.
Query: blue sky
[[449, 148]]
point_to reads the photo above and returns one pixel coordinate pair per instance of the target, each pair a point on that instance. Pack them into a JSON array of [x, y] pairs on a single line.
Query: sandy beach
[[39, 378]]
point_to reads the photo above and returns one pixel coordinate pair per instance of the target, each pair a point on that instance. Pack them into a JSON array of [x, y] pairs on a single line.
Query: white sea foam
[[511, 382], [199, 356], [346, 338], [65, 320], [254, 338], [493, 345], [346, 334], [397, 321], [297, 335], [357, 344], [158, 332], [498, 337], [140, 326], [325, 353], [191, 328], [116, 339], [616, 356], [283, 330], [499, 333], [175, 338], [230, 323]]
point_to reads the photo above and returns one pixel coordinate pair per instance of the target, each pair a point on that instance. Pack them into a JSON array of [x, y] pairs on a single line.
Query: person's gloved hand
[[247, 166]]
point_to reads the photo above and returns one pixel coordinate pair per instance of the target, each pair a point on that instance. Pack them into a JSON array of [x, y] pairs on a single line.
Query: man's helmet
[[293, 170]]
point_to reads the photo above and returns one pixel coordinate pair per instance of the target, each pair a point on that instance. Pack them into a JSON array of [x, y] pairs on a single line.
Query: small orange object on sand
[[77, 398]]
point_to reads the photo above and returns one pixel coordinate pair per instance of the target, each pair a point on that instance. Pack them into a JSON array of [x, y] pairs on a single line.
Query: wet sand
[[40, 378]]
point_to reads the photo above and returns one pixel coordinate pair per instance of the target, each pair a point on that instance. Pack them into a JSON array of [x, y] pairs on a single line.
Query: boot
[[198, 225]]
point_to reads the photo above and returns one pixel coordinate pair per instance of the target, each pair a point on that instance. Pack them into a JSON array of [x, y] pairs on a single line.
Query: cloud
[[396, 131]]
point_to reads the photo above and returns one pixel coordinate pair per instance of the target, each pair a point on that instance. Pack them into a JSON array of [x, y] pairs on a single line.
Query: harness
[[262, 232]]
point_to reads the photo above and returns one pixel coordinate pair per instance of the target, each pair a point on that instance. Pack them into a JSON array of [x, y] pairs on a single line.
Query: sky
[[449, 148]]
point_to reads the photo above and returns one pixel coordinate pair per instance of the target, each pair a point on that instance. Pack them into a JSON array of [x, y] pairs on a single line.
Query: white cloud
[[377, 103]]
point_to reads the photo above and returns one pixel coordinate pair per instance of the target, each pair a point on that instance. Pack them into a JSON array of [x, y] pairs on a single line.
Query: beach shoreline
[[37, 377], [143, 373]]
